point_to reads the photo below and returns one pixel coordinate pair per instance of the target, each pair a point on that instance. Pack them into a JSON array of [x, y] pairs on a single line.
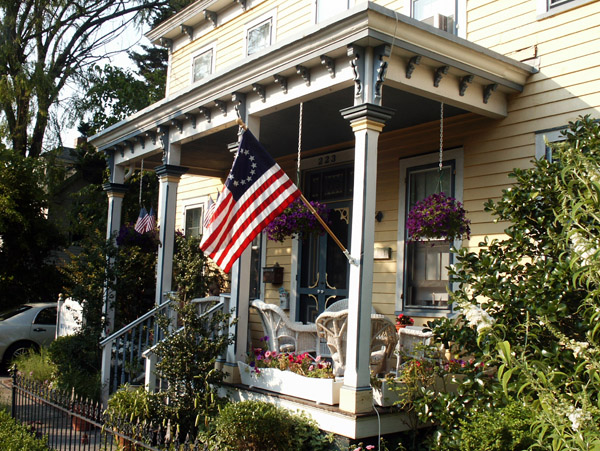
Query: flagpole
[[351, 259]]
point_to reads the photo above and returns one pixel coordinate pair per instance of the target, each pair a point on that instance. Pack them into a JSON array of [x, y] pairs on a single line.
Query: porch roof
[[426, 66]]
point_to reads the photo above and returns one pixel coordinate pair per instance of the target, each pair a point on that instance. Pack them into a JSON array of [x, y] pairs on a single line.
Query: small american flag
[[146, 222], [209, 212], [256, 191]]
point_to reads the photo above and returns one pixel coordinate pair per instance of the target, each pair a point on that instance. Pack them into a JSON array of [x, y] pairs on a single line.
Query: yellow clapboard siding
[[497, 167], [582, 90], [512, 16], [480, 8]]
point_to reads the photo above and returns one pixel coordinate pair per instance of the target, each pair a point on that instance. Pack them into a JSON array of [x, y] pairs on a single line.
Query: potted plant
[[438, 217], [297, 220], [298, 375], [403, 320]]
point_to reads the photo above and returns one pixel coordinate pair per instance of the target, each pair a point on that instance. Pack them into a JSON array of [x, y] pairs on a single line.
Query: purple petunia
[[437, 216]]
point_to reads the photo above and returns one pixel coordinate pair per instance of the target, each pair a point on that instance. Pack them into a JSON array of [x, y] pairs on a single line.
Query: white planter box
[[386, 397], [322, 391]]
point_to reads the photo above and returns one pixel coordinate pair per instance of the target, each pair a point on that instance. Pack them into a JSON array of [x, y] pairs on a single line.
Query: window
[[446, 15], [327, 8], [46, 316], [547, 8], [256, 264], [259, 36], [422, 279], [202, 65], [193, 221], [543, 137]]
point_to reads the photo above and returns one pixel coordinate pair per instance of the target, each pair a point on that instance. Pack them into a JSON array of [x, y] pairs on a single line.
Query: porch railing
[[122, 360], [207, 308]]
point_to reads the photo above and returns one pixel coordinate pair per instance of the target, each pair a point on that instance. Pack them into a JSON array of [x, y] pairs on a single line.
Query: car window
[[12, 312], [46, 316]]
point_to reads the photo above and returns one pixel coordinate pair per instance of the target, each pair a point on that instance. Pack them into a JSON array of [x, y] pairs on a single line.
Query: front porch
[[366, 71]]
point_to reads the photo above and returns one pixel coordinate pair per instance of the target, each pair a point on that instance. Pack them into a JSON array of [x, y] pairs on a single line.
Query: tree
[[26, 236], [44, 45]]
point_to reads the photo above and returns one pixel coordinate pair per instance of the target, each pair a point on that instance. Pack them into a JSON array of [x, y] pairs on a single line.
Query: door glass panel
[[426, 274]]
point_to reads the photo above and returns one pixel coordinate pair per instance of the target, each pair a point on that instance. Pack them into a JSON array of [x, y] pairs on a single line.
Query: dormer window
[[328, 8], [259, 36], [437, 13], [202, 64]]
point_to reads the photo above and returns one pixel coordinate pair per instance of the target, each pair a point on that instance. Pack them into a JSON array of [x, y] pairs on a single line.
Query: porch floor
[[380, 421]]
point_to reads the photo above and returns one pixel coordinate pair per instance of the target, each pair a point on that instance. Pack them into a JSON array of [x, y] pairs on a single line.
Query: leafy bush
[[77, 360], [259, 426], [504, 429], [16, 437], [528, 305], [36, 365]]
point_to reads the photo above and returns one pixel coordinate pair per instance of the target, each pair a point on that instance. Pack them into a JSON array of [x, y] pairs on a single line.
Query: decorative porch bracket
[[367, 121], [369, 72]]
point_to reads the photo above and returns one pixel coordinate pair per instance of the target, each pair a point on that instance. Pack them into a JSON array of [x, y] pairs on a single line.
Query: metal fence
[[72, 423]]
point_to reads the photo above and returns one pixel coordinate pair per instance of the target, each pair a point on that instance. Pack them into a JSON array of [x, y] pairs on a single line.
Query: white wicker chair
[[332, 325], [286, 335], [409, 340]]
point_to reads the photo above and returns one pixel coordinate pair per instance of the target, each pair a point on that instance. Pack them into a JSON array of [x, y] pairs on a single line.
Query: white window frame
[[454, 154], [460, 16], [349, 3], [209, 48], [545, 10], [272, 16], [542, 137], [190, 204]]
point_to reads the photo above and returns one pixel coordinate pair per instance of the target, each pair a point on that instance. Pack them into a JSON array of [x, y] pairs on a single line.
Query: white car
[[25, 327]]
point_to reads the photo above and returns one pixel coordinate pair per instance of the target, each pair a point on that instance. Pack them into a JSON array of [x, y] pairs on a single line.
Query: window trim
[[198, 202], [460, 20], [457, 155], [208, 48], [544, 10], [551, 135], [272, 16], [350, 4]]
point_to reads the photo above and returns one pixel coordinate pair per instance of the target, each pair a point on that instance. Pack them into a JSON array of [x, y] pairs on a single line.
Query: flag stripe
[[256, 191]]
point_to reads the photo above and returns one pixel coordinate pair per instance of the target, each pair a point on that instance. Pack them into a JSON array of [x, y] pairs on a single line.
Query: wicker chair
[[410, 343], [284, 334], [332, 326]]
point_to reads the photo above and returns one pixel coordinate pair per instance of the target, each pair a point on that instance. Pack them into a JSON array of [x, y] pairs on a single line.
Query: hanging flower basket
[[297, 220], [438, 217]]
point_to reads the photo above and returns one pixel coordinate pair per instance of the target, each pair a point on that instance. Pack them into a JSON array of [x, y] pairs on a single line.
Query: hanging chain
[[441, 135], [299, 144], [141, 179]]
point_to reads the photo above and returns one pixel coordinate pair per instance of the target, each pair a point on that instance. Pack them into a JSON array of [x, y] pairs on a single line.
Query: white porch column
[[115, 190], [240, 286], [168, 176], [367, 121]]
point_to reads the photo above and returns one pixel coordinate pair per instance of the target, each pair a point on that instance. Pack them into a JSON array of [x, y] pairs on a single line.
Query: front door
[[324, 269]]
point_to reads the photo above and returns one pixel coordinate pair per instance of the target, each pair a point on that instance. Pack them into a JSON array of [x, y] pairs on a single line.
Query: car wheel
[[17, 350]]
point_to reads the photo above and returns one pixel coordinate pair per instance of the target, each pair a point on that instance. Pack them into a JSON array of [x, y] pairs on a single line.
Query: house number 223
[[326, 159]]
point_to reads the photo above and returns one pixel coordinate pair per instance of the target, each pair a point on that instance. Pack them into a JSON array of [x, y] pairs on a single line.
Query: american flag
[[209, 212], [146, 222], [255, 192]]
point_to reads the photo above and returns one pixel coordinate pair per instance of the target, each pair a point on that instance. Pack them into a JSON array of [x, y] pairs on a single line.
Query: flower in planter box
[[438, 217], [404, 320], [303, 364], [297, 220]]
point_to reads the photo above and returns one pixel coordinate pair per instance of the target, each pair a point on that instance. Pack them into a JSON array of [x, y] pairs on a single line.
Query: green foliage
[[259, 426], [132, 405], [529, 304], [193, 273], [27, 237], [503, 429], [36, 365], [16, 437], [77, 360], [187, 362]]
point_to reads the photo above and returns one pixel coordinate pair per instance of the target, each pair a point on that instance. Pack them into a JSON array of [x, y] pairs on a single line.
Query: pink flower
[[311, 368], [370, 446], [267, 354]]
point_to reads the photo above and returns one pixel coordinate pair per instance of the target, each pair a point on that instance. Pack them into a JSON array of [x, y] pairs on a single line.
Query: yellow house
[[362, 100]]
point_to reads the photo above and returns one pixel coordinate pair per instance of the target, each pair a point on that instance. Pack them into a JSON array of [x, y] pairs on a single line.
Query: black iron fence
[[72, 423]]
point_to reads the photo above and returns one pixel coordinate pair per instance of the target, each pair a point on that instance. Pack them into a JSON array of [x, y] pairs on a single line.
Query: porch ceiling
[[426, 66]]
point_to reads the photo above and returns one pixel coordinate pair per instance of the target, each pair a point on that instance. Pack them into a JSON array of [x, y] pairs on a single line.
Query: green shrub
[[505, 429], [36, 365], [16, 437], [259, 426], [77, 360]]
